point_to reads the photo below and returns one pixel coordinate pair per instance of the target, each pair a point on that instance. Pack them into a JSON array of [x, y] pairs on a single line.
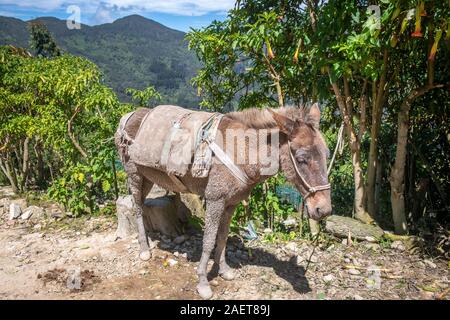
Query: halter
[[310, 189]]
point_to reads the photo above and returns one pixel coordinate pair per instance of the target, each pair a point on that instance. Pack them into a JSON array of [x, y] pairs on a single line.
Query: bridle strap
[[308, 187]]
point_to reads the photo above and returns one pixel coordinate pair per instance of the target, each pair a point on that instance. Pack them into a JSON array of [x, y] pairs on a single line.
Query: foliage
[[42, 42], [59, 109], [145, 97], [269, 53]]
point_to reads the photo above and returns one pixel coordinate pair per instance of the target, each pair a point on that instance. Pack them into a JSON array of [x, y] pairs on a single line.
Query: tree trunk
[[346, 112], [72, 136], [25, 163], [9, 174], [167, 214], [40, 179], [378, 99], [397, 177], [360, 211], [378, 178]]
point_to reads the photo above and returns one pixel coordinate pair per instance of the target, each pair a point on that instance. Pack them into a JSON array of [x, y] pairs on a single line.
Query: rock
[[372, 246], [290, 222], [214, 283], [179, 239], [358, 297], [398, 245], [55, 214], [354, 272], [21, 202], [14, 211], [341, 226], [176, 253], [370, 239], [165, 239], [328, 278], [291, 246], [4, 202], [172, 262], [267, 231], [430, 264], [34, 211]]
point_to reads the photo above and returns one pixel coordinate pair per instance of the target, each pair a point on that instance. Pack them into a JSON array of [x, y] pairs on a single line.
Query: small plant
[[385, 242]]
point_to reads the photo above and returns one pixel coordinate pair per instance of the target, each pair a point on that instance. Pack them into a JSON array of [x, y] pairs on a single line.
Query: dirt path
[[36, 259]]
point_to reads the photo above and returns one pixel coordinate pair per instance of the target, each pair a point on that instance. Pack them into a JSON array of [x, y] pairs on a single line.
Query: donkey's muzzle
[[319, 212]]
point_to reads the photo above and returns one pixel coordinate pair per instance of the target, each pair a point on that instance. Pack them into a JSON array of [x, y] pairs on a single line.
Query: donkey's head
[[303, 156]]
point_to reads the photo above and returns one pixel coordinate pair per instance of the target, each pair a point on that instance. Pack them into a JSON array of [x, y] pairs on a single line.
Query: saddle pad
[[166, 139]]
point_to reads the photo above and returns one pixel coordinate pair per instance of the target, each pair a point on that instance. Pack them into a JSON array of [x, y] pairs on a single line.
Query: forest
[[380, 70]]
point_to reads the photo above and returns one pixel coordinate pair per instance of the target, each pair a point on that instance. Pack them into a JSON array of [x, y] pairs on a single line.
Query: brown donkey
[[291, 134]]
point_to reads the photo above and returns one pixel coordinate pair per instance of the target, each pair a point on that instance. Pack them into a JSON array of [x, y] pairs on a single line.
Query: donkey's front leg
[[135, 183], [219, 257], [214, 211]]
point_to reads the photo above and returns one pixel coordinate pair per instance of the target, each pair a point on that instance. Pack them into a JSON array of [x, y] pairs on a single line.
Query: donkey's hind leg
[[136, 184], [222, 235]]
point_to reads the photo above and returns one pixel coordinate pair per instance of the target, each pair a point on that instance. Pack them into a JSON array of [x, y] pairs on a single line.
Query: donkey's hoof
[[145, 255], [227, 275], [204, 291]]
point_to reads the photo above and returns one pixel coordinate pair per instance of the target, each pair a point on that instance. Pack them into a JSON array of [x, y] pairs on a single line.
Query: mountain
[[132, 52]]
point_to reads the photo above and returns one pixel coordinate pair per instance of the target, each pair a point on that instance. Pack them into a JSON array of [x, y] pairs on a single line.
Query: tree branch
[[71, 135]]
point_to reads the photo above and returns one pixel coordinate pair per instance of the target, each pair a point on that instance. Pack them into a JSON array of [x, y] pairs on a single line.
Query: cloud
[[177, 7], [102, 15]]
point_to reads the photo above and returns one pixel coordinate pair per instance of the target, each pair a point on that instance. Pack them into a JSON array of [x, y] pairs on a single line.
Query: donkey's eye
[[301, 156]]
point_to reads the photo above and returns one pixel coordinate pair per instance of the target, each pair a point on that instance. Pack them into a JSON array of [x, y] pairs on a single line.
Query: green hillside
[[131, 52]]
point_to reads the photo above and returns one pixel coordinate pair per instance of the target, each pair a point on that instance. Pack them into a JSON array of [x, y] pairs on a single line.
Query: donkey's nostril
[[323, 212]]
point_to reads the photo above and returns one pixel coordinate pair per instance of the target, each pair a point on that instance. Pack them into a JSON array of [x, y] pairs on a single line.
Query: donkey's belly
[[194, 185]]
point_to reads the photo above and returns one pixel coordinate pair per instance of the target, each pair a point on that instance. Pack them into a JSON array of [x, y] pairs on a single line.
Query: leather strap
[[308, 187]]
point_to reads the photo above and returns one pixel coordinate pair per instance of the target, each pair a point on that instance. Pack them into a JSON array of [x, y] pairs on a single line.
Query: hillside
[[132, 52]]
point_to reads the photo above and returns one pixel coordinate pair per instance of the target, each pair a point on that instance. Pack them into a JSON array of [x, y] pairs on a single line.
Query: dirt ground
[[81, 259]]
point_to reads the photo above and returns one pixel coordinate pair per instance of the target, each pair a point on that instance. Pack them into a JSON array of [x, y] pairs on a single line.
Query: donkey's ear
[[314, 115], [285, 124]]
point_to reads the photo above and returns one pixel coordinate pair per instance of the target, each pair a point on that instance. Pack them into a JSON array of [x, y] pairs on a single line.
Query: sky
[[176, 14]]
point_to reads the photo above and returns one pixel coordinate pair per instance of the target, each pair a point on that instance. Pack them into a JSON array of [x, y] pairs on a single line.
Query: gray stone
[[290, 222], [354, 272], [179, 239], [328, 278], [14, 211], [430, 264], [398, 245], [341, 226], [291, 246], [21, 202], [372, 246], [34, 211]]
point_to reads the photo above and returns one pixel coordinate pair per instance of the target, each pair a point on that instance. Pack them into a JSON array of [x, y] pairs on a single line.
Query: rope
[[315, 242], [339, 146]]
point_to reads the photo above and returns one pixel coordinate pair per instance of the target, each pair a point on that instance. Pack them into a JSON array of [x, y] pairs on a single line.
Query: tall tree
[[41, 41]]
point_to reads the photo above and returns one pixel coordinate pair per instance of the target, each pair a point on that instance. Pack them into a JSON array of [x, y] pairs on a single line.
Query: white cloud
[[179, 7], [102, 15]]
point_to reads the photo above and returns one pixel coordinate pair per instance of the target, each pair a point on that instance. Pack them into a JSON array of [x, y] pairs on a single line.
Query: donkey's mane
[[262, 119]]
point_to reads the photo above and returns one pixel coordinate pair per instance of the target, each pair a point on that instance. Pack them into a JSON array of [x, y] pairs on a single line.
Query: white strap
[[225, 159]]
